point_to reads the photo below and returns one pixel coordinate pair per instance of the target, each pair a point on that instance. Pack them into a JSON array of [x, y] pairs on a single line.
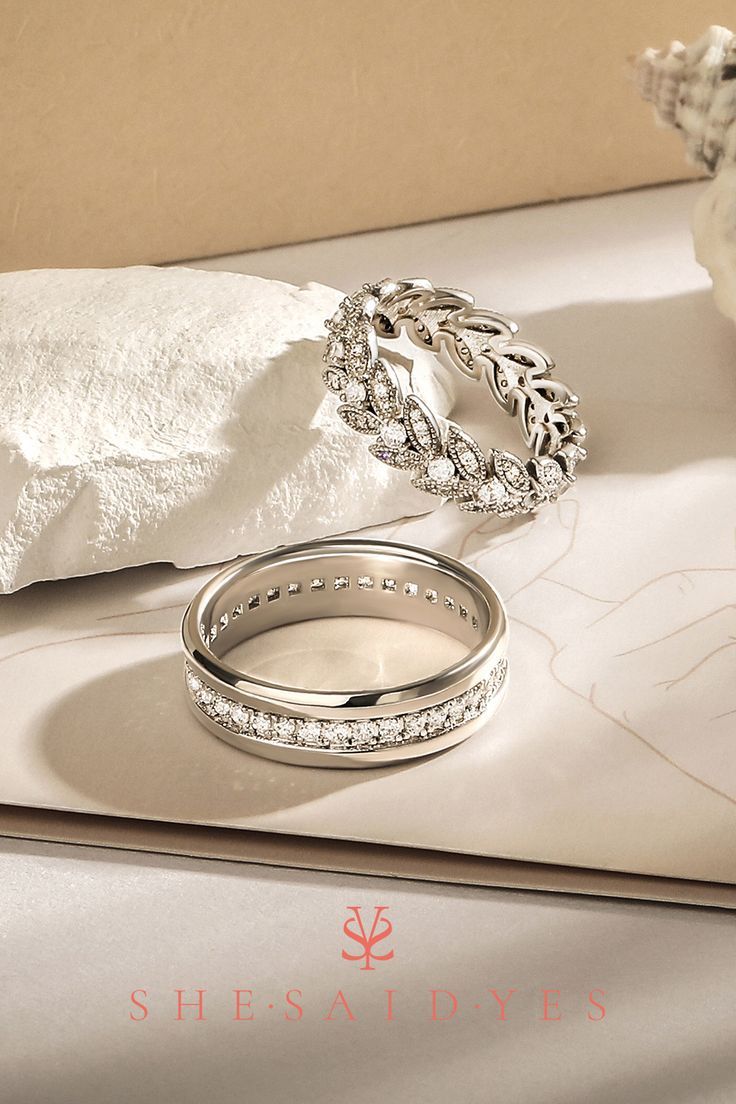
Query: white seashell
[[714, 232], [174, 415], [693, 88]]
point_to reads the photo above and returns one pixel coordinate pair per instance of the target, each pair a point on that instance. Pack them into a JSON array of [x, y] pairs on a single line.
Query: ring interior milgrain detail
[[333, 579], [442, 457]]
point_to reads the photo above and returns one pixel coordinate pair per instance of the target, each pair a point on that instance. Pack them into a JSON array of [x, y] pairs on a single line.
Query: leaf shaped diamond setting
[[445, 460]]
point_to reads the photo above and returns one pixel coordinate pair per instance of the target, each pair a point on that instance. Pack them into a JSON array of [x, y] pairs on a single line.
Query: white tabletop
[[81, 928]]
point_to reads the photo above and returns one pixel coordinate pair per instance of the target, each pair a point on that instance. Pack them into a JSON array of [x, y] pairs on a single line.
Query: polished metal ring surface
[[363, 727], [441, 456]]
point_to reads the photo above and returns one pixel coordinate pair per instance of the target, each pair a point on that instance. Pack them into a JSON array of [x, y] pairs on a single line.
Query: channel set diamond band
[[345, 578], [443, 458]]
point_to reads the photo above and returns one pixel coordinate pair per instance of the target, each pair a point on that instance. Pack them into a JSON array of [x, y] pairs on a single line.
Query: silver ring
[[443, 458], [338, 578]]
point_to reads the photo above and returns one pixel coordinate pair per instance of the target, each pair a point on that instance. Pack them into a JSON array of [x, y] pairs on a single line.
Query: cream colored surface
[[143, 132], [614, 748]]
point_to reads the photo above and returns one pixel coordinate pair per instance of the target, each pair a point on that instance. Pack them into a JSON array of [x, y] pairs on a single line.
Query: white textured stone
[[174, 415]]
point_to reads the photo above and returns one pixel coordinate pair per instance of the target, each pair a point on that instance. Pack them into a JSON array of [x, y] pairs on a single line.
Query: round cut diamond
[[354, 391], [550, 474], [436, 717], [223, 707], [393, 434], [339, 735], [366, 733], [390, 728], [240, 716], [285, 728], [414, 725], [261, 724], [193, 682], [206, 697], [311, 733], [441, 469], [492, 493]]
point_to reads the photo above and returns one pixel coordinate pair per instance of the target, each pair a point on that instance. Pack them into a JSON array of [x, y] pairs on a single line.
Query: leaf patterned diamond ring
[[441, 456]]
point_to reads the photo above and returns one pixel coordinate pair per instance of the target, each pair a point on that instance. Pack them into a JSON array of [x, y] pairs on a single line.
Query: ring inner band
[[281, 595]]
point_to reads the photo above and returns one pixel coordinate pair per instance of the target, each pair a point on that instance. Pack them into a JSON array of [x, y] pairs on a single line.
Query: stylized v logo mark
[[380, 929]]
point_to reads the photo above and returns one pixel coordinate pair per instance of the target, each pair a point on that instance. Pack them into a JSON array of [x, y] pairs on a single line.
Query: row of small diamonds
[[347, 735], [339, 582]]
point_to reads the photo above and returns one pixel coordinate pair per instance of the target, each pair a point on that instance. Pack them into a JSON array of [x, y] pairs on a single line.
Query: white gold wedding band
[[362, 727]]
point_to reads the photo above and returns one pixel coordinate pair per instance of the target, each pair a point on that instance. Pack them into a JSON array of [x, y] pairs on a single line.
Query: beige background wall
[[155, 130]]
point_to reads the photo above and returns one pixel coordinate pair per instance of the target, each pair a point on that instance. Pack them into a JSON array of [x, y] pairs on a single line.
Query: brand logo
[[366, 931], [355, 929]]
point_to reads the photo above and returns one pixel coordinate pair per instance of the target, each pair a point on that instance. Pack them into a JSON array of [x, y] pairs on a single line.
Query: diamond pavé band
[[443, 459], [338, 578]]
